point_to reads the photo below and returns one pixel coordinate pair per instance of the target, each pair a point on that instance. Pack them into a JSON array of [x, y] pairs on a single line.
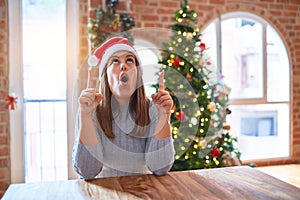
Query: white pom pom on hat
[[107, 49], [92, 61]]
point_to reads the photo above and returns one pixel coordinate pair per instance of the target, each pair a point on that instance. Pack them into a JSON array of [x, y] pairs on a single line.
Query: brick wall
[[4, 87]]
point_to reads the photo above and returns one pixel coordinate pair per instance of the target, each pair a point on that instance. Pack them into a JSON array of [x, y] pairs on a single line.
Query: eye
[[114, 61], [130, 60]]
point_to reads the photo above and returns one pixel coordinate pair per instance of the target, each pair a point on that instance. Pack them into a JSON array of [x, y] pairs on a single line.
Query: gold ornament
[[211, 106], [116, 23], [202, 143], [189, 36]]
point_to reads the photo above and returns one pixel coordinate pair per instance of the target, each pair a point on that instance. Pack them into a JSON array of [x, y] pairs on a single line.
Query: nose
[[123, 67]]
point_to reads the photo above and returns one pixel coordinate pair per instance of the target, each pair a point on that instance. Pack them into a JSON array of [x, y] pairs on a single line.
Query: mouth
[[124, 78]]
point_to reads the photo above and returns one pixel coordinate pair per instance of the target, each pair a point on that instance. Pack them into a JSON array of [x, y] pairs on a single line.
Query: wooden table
[[240, 182]]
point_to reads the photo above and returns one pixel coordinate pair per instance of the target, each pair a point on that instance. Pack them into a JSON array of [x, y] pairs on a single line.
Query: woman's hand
[[89, 99], [164, 103], [162, 98]]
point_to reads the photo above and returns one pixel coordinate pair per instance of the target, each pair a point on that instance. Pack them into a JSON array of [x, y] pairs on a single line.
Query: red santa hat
[[107, 49]]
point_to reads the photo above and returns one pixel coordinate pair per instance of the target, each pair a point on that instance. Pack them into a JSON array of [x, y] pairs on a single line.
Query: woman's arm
[[88, 151], [159, 155], [87, 159], [159, 148], [159, 145]]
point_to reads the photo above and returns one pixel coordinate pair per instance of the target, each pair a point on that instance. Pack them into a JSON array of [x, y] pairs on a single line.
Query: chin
[[123, 95]]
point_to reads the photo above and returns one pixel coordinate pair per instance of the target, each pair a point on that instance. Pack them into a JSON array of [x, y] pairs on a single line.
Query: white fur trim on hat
[[113, 49]]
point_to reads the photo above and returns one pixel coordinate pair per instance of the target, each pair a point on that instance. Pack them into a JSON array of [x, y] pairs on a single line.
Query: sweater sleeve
[[159, 152], [86, 160]]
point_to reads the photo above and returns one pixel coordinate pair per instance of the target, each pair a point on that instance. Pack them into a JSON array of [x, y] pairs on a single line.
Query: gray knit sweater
[[125, 154]]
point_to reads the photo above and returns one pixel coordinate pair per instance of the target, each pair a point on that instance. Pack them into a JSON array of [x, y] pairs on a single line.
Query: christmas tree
[[201, 135]]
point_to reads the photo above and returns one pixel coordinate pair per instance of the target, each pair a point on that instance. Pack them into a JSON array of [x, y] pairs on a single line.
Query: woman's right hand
[[89, 99]]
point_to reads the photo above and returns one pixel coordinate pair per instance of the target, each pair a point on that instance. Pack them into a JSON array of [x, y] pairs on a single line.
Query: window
[[38, 49], [44, 81], [254, 62]]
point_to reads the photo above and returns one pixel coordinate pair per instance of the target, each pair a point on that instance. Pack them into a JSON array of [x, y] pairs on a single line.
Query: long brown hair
[[138, 107]]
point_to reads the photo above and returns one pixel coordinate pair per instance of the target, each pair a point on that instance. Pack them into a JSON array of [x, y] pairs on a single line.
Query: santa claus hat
[[107, 49]]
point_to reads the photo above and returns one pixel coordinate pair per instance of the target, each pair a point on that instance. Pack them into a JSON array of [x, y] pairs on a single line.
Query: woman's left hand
[[162, 98]]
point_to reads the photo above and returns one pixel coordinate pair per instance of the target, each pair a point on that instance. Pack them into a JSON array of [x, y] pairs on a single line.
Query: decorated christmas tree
[[201, 135]]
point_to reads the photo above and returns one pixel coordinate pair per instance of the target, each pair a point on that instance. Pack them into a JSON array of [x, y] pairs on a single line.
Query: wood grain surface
[[224, 183]]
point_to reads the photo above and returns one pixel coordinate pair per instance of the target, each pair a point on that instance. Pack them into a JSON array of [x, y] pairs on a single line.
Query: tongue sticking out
[[124, 79]]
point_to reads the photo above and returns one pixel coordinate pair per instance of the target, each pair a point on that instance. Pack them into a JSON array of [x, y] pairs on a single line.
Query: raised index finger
[[90, 83], [161, 80]]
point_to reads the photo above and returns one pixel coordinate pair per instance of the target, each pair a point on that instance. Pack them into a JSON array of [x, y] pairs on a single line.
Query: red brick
[[150, 18], [3, 71], [3, 25], [169, 4], [4, 117], [3, 162], [146, 10], [153, 2], [217, 2], [139, 2], [122, 6], [3, 140], [277, 13], [167, 11], [4, 151], [95, 3]]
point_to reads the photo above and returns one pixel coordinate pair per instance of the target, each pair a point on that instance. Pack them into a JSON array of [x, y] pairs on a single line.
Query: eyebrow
[[127, 56]]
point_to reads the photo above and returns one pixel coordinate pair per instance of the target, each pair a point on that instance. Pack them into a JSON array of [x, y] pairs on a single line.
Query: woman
[[119, 131]]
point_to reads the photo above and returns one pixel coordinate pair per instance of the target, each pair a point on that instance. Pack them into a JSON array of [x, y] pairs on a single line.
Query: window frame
[[255, 101], [218, 26]]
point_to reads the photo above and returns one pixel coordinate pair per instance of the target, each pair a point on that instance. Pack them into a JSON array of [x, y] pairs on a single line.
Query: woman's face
[[122, 75]]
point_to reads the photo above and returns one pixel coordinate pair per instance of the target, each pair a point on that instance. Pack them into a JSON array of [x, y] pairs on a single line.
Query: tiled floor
[[288, 173]]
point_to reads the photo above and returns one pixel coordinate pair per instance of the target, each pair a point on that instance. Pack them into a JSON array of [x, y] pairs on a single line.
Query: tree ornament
[[215, 152], [181, 116], [189, 36], [202, 63], [189, 77], [202, 46], [176, 62], [116, 22], [227, 127], [211, 106], [173, 109], [202, 143]]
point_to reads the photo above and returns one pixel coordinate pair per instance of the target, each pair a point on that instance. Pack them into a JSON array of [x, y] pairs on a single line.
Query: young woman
[[119, 131]]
